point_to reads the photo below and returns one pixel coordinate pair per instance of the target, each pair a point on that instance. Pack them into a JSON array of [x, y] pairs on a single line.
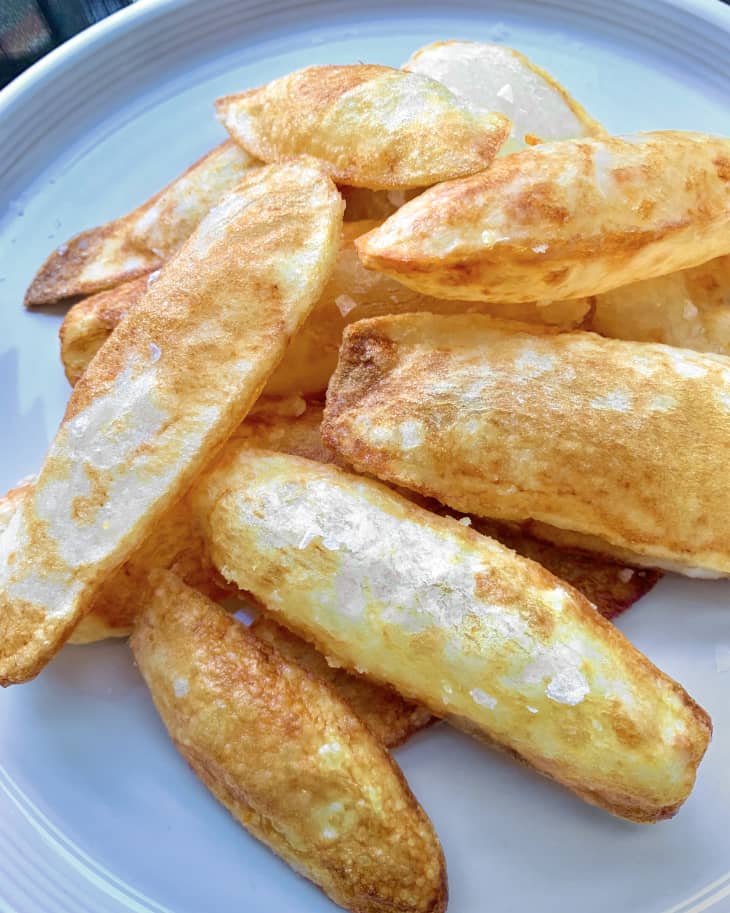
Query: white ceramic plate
[[97, 811]]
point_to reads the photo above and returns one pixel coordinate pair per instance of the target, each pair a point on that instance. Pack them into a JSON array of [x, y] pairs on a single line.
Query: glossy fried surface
[[494, 77], [372, 126], [390, 718], [563, 220], [352, 293], [355, 293], [292, 426], [161, 397], [612, 587], [456, 621], [287, 757], [286, 425], [689, 309], [103, 257], [588, 434], [168, 220]]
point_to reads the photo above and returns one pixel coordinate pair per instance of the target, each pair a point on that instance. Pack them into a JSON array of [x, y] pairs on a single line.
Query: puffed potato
[[456, 621], [372, 126], [494, 77], [286, 756], [292, 426], [689, 309], [133, 245], [161, 397], [611, 583], [621, 441], [352, 293], [563, 220]]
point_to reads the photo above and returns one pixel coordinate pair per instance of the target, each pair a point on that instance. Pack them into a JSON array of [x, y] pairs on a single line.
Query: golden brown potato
[[390, 718], [292, 426], [132, 245], [89, 323], [287, 425], [492, 77], [161, 397], [287, 757], [563, 220], [456, 621], [352, 293], [372, 126], [610, 586], [689, 309], [164, 223], [588, 434]]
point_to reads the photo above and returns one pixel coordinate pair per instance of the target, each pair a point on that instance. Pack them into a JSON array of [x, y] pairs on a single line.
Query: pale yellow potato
[[492, 77], [456, 621], [103, 257], [293, 426], [286, 756], [689, 309], [563, 220], [290, 425], [623, 441], [161, 397], [352, 293], [373, 126]]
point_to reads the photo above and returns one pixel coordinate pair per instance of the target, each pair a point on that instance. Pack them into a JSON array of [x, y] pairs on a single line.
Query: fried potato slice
[[352, 293], [689, 309], [610, 586], [492, 77], [287, 757], [373, 126], [588, 434], [175, 543], [292, 426], [161, 397], [167, 220], [563, 220], [90, 322], [456, 621], [390, 718], [139, 242]]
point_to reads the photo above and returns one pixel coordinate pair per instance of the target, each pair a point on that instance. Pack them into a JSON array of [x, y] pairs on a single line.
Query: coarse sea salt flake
[[345, 304], [181, 686]]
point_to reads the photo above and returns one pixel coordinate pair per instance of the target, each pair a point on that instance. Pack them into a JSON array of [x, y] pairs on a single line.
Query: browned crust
[[90, 322], [384, 373], [287, 757], [224, 309], [111, 252], [520, 232], [391, 718], [286, 117], [61, 276], [611, 587], [634, 747]]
